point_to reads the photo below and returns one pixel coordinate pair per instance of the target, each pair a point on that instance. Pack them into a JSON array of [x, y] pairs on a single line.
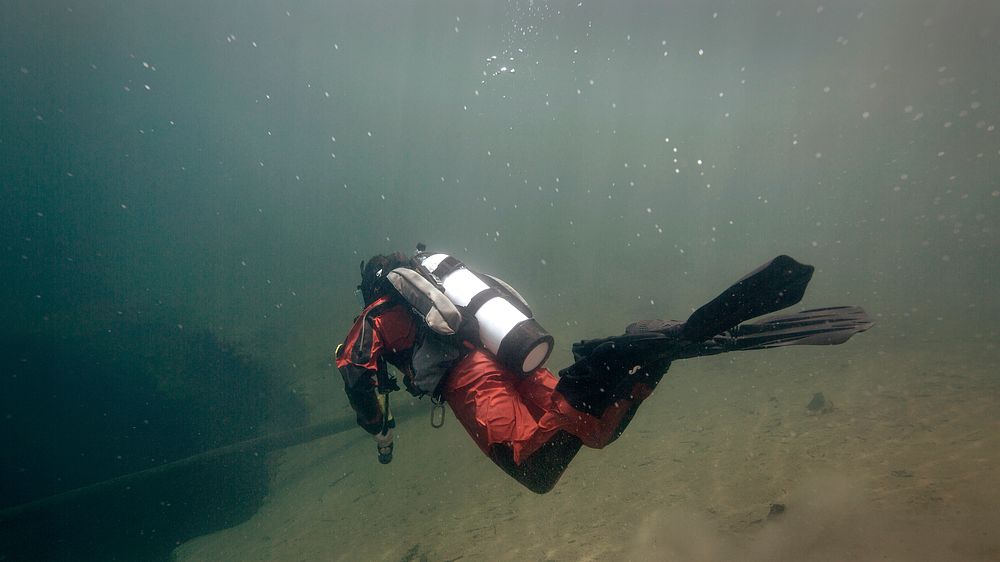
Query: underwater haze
[[188, 189]]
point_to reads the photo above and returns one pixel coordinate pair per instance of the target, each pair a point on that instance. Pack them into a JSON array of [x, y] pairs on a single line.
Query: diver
[[470, 340]]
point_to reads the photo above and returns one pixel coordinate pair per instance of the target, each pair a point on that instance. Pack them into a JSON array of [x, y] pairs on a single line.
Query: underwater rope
[[264, 444]]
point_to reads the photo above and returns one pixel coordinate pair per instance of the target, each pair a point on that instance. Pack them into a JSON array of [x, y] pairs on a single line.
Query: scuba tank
[[506, 326]]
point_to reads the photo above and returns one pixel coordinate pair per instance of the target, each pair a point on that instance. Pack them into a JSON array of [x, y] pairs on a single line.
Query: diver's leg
[[525, 425], [595, 428], [540, 471], [501, 409], [519, 421], [486, 398]]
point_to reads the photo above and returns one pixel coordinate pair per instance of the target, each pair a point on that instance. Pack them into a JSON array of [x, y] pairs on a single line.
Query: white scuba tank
[[506, 328]]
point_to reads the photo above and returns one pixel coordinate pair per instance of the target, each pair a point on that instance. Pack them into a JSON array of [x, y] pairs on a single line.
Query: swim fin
[[604, 368], [778, 284], [820, 326]]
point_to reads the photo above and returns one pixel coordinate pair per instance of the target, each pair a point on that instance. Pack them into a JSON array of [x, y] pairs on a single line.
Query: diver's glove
[[383, 443]]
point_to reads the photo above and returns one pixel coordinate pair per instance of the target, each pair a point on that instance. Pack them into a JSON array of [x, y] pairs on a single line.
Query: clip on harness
[[437, 412]]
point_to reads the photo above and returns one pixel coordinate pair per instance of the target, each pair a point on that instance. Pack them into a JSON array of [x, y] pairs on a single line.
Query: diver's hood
[[373, 274]]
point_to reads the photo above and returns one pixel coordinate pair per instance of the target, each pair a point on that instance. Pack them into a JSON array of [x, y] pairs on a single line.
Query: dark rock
[[819, 405]]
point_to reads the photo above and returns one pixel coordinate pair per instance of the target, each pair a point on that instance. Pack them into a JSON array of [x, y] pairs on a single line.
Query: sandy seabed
[[905, 467]]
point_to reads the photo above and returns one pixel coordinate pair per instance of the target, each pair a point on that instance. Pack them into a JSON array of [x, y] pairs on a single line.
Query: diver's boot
[[625, 367]]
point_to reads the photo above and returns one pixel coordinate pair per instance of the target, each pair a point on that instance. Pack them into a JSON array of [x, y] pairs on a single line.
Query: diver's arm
[[360, 390], [359, 361]]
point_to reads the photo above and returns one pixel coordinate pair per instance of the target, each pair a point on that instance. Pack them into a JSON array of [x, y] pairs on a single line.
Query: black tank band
[[498, 290], [480, 299], [447, 266]]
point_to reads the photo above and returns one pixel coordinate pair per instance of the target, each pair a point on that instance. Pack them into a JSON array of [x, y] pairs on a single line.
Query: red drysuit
[[497, 406]]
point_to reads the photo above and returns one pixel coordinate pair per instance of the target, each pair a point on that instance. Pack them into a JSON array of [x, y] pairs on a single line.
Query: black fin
[[820, 326], [605, 368], [776, 285]]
